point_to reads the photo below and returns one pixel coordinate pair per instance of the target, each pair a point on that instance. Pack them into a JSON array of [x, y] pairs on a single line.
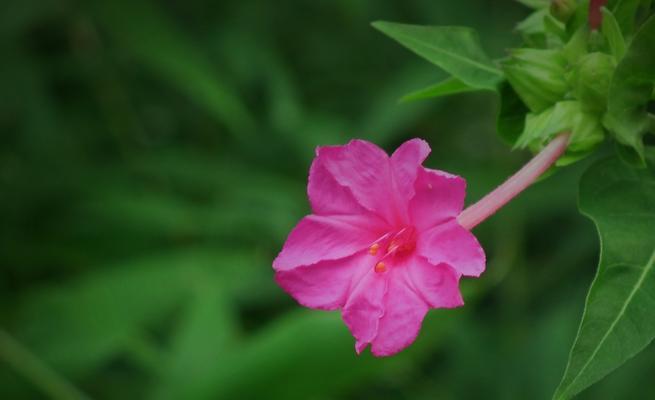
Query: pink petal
[[326, 195], [406, 162], [403, 315], [439, 196], [324, 285], [318, 238], [363, 168], [365, 307], [451, 244], [437, 284]]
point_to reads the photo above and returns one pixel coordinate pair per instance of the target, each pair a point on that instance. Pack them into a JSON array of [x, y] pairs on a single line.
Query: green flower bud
[[563, 10], [586, 130], [590, 80], [537, 76]]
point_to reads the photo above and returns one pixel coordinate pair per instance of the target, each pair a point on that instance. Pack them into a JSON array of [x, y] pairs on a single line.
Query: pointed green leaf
[[625, 12], [618, 320], [537, 76], [631, 89], [613, 34], [535, 4], [533, 23], [444, 88], [456, 50]]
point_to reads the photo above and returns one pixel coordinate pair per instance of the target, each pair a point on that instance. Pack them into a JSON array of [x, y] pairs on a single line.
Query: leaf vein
[[465, 60], [620, 315]]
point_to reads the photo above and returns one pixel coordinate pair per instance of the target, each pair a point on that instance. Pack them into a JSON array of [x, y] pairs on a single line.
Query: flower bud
[[590, 80], [563, 10], [537, 76]]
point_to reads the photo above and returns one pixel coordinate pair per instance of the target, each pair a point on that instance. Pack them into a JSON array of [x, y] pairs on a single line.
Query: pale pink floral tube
[[489, 204]]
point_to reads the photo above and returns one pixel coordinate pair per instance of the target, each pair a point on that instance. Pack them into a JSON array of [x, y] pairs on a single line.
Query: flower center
[[393, 244]]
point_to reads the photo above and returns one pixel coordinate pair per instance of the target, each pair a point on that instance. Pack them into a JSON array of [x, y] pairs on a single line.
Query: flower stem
[[492, 202]]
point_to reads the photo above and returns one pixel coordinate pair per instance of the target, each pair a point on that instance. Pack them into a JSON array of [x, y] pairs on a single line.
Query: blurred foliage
[[154, 158]]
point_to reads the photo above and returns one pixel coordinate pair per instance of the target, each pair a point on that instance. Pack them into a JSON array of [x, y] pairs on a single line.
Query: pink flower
[[383, 243]]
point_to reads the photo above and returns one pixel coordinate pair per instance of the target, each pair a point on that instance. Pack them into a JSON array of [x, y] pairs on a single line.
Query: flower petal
[[451, 244], [403, 315], [318, 238], [406, 162], [324, 285], [365, 307], [363, 168], [439, 196], [437, 284], [326, 195]]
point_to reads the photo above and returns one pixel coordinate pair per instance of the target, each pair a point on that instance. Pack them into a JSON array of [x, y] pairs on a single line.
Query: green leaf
[[618, 320], [533, 23], [533, 29], [590, 80], [631, 88], [444, 88], [629, 156], [456, 50], [511, 114], [625, 12], [535, 4], [576, 47], [612, 32], [537, 76], [555, 27]]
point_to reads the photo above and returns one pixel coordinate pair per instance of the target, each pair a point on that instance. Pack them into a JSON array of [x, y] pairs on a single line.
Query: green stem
[[33, 369]]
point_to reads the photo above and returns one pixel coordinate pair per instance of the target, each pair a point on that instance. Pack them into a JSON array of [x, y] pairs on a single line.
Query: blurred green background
[[154, 156]]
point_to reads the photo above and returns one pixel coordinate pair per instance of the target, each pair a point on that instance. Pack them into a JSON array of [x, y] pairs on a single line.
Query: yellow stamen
[[373, 250], [380, 267]]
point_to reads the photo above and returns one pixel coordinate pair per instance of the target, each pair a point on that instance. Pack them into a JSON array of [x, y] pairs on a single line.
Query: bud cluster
[[565, 84]]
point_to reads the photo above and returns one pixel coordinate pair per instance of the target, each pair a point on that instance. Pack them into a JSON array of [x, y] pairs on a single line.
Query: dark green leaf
[[444, 88], [613, 34], [618, 320], [533, 24], [631, 89], [625, 12], [535, 4], [456, 50], [511, 114], [555, 27]]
